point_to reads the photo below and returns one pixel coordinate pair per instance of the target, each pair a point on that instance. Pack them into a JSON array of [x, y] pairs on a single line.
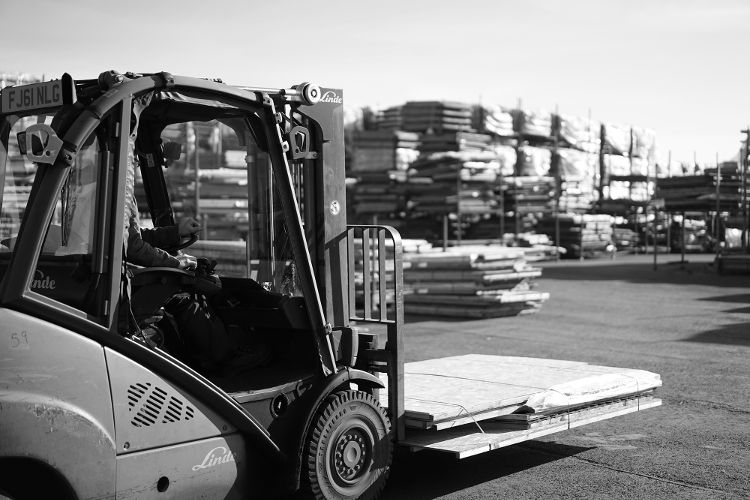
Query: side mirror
[[172, 151]]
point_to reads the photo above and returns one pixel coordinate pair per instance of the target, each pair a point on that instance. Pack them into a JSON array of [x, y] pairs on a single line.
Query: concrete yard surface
[[682, 320]]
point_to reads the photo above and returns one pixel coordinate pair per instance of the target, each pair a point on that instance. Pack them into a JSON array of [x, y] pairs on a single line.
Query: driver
[[142, 246]]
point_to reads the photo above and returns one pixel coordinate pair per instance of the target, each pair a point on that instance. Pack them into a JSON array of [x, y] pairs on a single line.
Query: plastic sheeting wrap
[[617, 137], [575, 165], [536, 123], [534, 161], [493, 119], [580, 133], [644, 142], [616, 165]]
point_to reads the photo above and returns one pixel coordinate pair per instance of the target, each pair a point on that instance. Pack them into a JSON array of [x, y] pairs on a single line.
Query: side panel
[[209, 468], [150, 412], [55, 404]]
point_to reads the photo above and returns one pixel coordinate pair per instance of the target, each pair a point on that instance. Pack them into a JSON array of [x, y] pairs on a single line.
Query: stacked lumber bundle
[[390, 118], [454, 141], [436, 117], [455, 182], [378, 171], [584, 235], [529, 194], [471, 282], [379, 151], [698, 192]]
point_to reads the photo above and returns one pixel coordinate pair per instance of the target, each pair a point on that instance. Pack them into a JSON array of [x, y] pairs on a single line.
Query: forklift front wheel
[[350, 448]]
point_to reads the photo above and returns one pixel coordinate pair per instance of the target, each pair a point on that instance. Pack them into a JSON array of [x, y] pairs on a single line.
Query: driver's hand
[[188, 226], [187, 262]]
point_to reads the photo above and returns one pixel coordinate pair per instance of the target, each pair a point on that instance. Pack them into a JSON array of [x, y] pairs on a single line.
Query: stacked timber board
[[378, 171], [506, 393], [699, 192], [436, 116], [494, 120], [471, 282], [584, 235]]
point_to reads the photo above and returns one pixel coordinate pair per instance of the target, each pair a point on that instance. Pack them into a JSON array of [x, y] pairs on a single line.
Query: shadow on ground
[[734, 334], [698, 273], [426, 474]]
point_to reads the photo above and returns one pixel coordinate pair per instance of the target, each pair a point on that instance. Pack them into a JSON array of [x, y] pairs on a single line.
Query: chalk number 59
[[19, 340]]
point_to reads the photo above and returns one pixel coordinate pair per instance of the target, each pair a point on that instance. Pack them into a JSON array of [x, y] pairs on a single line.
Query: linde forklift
[[93, 407]]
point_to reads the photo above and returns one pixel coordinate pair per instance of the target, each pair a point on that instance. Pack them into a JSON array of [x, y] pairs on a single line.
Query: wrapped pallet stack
[[581, 235], [628, 167], [471, 282]]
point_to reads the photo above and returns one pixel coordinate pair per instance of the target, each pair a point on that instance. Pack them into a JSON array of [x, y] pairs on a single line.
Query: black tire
[[350, 448]]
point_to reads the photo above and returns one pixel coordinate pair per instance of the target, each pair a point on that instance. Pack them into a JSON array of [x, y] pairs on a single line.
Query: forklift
[[96, 406]]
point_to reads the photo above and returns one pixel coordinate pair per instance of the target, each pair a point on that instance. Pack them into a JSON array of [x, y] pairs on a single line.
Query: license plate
[[51, 94]]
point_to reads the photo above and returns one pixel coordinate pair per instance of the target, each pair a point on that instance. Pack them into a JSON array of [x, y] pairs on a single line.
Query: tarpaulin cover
[[536, 123], [617, 137], [575, 165], [580, 133], [644, 142]]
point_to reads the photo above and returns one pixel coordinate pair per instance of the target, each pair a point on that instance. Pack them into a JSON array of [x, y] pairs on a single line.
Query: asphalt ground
[[682, 320]]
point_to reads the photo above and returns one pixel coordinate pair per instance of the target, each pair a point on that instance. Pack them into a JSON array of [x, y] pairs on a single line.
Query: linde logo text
[[217, 456], [43, 282], [331, 96]]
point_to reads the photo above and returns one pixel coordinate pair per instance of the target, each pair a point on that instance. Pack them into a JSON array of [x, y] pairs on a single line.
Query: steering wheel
[[186, 242]]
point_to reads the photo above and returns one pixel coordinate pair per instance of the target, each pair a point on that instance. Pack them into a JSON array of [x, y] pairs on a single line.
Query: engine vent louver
[[153, 405]]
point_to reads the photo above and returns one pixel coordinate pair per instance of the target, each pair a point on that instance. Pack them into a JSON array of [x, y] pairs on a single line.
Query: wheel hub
[[351, 455]]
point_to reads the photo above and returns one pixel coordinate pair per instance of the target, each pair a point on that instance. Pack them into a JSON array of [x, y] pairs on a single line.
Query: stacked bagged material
[[436, 116], [532, 123], [584, 235], [534, 161], [471, 282], [494, 120]]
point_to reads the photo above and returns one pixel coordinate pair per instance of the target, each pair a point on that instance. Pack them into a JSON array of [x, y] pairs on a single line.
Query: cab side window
[[64, 271]]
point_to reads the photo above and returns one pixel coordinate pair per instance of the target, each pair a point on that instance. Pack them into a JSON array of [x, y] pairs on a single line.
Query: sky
[[678, 67]]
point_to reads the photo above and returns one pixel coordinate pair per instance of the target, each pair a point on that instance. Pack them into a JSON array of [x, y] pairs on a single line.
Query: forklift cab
[[70, 151]]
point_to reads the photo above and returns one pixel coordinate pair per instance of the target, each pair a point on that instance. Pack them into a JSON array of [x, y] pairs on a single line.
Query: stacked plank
[[483, 402], [471, 282], [454, 141], [532, 123], [529, 197], [584, 235], [436, 117]]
